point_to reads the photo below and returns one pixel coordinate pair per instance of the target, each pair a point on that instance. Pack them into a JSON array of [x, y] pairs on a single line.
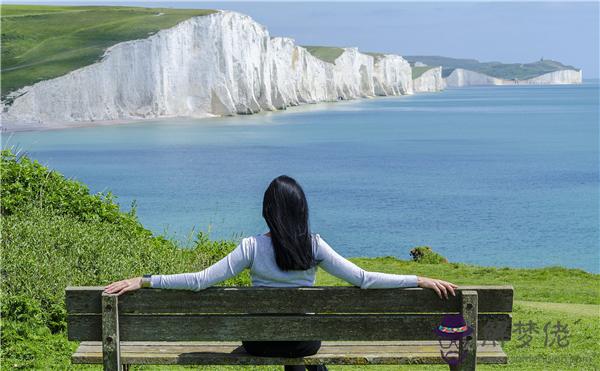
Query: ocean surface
[[499, 176]]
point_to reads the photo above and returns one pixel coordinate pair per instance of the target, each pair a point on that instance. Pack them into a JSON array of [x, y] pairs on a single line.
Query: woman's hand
[[123, 286], [439, 286]]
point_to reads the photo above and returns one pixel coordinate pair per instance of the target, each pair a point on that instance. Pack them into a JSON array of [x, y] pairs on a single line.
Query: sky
[[505, 31]]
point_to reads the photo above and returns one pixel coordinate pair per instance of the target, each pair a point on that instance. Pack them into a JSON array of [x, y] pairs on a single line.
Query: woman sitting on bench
[[287, 256]]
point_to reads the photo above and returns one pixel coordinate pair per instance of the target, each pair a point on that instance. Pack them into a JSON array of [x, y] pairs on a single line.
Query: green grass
[[325, 53], [578, 309], [43, 42], [418, 71], [530, 284], [509, 71], [55, 233], [565, 291]]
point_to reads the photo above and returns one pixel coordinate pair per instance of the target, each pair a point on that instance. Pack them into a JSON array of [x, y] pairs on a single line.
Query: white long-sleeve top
[[256, 253]]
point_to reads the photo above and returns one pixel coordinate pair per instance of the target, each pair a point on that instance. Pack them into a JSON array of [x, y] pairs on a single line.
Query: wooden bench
[[357, 327]]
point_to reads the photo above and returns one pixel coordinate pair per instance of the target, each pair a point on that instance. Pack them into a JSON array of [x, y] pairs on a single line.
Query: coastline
[[423, 125], [304, 107]]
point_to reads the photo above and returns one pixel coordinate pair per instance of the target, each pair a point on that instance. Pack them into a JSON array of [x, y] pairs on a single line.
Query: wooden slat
[[366, 349], [86, 300], [280, 327], [332, 353]]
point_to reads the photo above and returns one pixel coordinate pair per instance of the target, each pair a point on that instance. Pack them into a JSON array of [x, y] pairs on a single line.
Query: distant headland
[[200, 63], [463, 72]]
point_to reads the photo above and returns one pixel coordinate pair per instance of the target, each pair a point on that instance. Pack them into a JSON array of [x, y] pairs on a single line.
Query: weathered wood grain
[[288, 300], [110, 333], [468, 345], [280, 327], [333, 353]]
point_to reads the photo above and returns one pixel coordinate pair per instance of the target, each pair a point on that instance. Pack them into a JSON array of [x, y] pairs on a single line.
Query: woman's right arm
[[231, 265], [337, 265]]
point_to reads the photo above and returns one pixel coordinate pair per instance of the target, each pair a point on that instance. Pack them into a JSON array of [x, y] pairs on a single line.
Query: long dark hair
[[286, 212]]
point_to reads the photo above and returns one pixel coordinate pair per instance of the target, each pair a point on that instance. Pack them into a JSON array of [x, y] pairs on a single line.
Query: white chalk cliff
[[220, 64], [461, 77], [429, 81], [392, 75]]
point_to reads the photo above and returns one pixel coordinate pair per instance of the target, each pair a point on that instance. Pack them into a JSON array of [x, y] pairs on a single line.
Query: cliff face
[[461, 77], [392, 76], [220, 64], [431, 80], [555, 78]]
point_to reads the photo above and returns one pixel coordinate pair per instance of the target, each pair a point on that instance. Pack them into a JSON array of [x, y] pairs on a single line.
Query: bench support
[[468, 345], [111, 352]]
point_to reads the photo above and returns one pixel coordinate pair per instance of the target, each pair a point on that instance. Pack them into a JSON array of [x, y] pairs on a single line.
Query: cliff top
[[325, 53], [43, 42], [508, 71], [417, 71]]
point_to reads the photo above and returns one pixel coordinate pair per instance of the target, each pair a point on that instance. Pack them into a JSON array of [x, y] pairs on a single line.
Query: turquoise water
[[503, 176]]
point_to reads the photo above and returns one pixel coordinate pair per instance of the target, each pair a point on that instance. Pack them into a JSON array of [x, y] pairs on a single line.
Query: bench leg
[[111, 352], [468, 345]]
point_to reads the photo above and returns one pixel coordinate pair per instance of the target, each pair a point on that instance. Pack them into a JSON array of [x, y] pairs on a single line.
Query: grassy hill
[[325, 53], [418, 71], [43, 42], [55, 233], [509, 71]]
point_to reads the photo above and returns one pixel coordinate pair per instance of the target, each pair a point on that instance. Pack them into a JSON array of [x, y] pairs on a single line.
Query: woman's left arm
[[341, 267], [231, 265]]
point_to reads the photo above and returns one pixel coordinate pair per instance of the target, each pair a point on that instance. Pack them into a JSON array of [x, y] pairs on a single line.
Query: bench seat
[[331, 352]]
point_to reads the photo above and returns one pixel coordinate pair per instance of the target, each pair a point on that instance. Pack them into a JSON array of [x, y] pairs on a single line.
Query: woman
[[287, 256]]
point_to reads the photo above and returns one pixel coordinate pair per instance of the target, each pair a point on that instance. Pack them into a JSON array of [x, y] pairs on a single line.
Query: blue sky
[[488, 31]]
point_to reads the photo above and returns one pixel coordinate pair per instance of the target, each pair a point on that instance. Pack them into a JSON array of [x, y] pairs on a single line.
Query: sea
[[494, 176]]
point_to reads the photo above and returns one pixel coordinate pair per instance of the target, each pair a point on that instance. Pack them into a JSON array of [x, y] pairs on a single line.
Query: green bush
[[27, 345], [56, 234], [424, 254], [28, 183]]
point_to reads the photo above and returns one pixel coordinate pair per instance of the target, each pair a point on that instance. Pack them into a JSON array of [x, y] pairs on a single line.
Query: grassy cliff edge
[[40, 42]]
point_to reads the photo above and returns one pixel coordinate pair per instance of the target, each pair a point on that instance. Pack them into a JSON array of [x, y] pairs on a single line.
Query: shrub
[[28, 183], [424, 254], [56, 234]]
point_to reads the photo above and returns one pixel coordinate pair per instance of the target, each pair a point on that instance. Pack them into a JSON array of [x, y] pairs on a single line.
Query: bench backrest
[[254, 313]]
